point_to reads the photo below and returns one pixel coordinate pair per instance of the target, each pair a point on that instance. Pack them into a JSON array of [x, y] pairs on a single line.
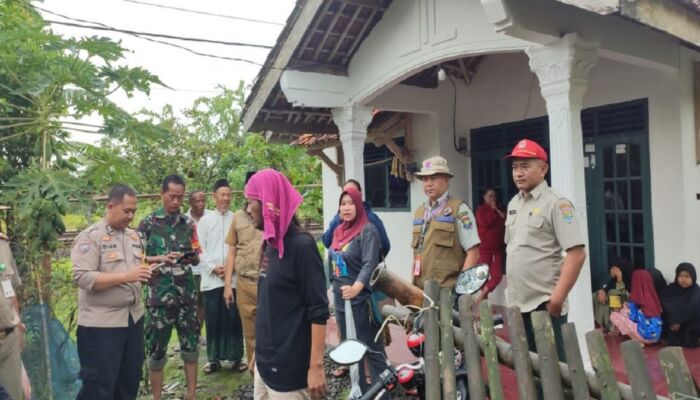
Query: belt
[[6, 332]]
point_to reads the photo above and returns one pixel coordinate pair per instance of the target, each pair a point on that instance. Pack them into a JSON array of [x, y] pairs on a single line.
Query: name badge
[[8, 289], [416, 266]]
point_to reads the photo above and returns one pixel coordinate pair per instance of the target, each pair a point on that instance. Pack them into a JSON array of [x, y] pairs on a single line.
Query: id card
[[8, 289], [416, 266]]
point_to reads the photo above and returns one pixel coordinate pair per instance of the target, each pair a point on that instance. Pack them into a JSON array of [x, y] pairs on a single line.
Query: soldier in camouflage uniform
[[171, 293]]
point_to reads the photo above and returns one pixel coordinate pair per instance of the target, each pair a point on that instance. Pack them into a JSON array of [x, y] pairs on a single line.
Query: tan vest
[[442, 256]]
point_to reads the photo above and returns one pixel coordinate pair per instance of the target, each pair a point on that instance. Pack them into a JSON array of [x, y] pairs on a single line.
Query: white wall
[[636, 62]]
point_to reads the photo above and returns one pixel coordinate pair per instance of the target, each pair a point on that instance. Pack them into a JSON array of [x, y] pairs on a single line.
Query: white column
[[352, 122], [562, 68]]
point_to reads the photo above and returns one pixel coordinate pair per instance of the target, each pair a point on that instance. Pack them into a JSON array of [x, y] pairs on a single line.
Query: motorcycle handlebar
[[373, 391]]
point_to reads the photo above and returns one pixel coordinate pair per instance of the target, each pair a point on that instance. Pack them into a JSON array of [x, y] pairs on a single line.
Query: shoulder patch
[[566, 209], [466, 220], [84, 246]]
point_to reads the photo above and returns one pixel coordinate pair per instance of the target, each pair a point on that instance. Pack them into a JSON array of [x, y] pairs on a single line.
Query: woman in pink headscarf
[[354, 255], [292, 308]]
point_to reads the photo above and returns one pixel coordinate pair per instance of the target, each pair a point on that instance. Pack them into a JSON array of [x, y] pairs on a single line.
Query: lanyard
[[428, 215]]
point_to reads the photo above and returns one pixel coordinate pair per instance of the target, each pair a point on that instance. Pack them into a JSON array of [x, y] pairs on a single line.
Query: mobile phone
[[187, 254]]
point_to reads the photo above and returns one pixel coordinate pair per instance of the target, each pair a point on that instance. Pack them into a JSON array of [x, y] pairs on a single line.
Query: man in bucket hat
[[445, 239], [540, 226]]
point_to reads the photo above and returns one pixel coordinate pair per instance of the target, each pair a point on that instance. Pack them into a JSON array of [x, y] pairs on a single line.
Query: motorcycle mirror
[[472, 279], [348, 353]]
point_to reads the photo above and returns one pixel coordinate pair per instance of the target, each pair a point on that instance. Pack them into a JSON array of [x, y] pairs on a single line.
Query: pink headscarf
[[278, 201], [346, 231]]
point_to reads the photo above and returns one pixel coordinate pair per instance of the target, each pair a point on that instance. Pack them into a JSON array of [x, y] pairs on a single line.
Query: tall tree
[[204, 144], [46, 79]]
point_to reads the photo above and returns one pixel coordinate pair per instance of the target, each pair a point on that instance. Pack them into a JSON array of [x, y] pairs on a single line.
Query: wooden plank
[[521, 355], [490, 353], [552, 388], [677, 373], [472, 353], [327, 35], [447, 344], [579, 383], [602, 365], [360, 36], [431, 329], [344, 34], [637, 371]]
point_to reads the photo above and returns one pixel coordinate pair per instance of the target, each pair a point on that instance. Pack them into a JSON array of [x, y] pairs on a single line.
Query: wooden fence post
[[521, 355], [447, 344], [490, 352], [472, 352], [579, 383], [552, 387], [600, 360], [431, 328], [677, 372], [636, 366]]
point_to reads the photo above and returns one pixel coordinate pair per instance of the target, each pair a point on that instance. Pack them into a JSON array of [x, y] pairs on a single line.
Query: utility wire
[[161, 35], [205, 13], [153, 40]]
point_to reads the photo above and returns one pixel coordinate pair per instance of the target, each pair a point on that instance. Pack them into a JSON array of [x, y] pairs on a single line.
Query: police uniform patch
[[535, 211], [84, 247], [134, 236], [106, 238], [447, 211], [112, 255], [466, 220], [567, 212]]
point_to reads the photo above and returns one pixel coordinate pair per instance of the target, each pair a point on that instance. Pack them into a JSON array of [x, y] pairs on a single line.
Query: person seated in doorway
[[640, 316], [681, 308], [611, 296]]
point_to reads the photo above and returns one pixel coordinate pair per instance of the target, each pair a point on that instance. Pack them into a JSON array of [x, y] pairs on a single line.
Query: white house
[[610, 87]]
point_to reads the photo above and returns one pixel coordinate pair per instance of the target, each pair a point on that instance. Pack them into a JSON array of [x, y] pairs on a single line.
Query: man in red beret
[[541, 226]]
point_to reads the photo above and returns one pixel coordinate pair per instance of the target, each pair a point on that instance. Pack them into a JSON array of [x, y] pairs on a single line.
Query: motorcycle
[[411, 376]]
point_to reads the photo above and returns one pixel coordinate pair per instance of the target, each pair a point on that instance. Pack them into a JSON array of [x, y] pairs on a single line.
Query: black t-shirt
[[291, 297]]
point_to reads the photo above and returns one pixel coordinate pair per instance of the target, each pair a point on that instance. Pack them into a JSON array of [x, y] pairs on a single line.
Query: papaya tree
[[45, 81]]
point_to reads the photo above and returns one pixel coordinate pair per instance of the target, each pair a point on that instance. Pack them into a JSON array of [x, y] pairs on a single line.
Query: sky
[[190, 76]]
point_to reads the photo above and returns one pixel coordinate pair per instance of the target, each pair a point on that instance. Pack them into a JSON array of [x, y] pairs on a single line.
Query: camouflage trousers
[[158, 326]]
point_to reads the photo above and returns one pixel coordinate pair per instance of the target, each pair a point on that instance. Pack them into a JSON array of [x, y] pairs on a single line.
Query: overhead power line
[[259, 21], [154, 40], [161, 35]]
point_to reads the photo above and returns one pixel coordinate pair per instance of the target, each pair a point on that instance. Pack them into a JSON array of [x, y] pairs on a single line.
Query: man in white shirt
[[224, 330], [198, 209]]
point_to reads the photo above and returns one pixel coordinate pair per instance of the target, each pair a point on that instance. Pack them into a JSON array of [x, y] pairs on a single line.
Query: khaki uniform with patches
[[539, 228], [441, 242], [248, 243], [101, 249], [10, 361]]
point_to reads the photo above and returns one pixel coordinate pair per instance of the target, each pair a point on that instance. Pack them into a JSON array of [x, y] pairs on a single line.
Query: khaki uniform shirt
[[539, 228], [101, 249], [9, 277], [248, 243]]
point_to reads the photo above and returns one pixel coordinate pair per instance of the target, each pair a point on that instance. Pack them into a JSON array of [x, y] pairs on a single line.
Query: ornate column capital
[[563, 66], [352, 118]]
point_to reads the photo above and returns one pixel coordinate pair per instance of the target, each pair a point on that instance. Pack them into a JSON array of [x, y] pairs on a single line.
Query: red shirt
[[491, 227]]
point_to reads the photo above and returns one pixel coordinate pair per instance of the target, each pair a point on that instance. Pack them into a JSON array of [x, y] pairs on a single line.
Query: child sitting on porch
[[614, 293], [681, 302], [640, 317]]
